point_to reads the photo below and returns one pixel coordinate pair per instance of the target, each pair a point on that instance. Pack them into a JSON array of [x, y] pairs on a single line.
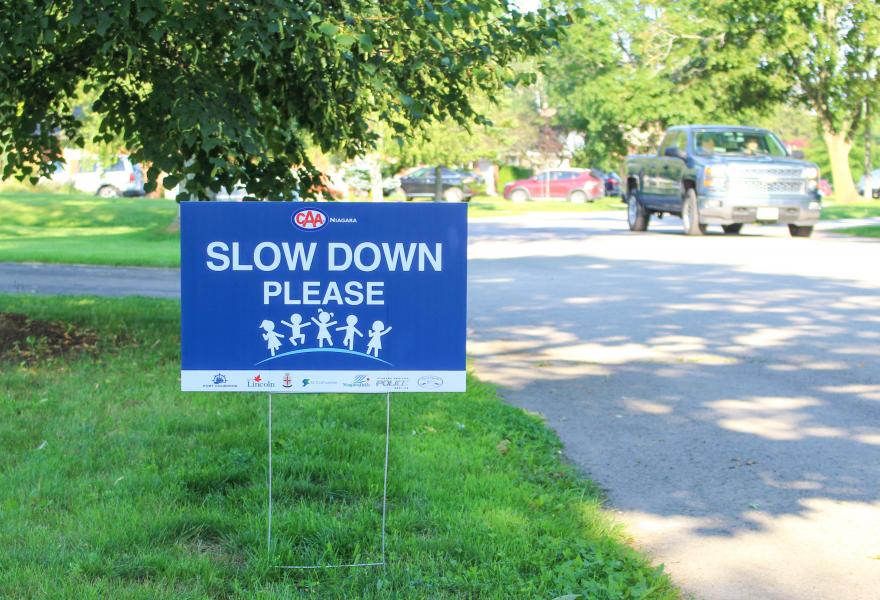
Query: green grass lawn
[[871, 231], [483, 206], [850, 210], [79, 228], [113, 484]]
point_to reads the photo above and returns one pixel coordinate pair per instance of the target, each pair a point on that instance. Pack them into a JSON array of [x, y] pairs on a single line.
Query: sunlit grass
[[871, 231], [78, 228], [832, 210], [484, 206], [113, 484]]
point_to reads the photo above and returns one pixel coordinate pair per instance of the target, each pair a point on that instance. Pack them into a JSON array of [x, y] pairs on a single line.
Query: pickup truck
[[722, 175]]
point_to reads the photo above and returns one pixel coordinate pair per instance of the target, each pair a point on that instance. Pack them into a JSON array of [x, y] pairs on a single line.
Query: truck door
[[652, 185], [670, 171]]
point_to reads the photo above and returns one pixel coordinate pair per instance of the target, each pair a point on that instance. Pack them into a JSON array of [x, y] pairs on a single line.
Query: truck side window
[[668, 141], [681, 141]]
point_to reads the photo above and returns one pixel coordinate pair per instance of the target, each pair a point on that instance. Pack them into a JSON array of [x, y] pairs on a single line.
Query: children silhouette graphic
[[324, 323], [272, 337], [376, 334], [296, 325], [350, 331]]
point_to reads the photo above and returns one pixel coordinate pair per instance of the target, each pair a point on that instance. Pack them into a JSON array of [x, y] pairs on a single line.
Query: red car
[[576, 185]]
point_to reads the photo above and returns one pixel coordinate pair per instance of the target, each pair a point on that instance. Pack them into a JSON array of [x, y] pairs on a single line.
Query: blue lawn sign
[[323, 297]]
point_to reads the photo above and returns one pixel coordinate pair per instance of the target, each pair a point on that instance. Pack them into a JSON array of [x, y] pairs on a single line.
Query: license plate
[[767, 214]]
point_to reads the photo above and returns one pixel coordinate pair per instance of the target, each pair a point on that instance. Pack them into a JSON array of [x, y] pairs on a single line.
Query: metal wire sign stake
[[313, 298], [381, 562]]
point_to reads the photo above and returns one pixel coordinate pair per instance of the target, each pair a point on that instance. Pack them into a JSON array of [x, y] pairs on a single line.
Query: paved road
[[41, 278], [724, 390]]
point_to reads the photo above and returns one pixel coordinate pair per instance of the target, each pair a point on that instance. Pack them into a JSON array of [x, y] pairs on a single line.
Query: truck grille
[[767, 180], [768, 187], [779, 172]]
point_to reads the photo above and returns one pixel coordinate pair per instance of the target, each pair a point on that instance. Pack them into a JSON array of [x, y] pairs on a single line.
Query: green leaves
[[328, 29], [221, 94]]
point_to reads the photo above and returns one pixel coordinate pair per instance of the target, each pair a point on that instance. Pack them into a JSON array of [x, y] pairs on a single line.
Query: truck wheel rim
[[631, 210], [686, 216]]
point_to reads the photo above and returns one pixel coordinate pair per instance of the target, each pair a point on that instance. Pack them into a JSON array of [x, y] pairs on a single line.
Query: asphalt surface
[[40, 278], [724, 390]]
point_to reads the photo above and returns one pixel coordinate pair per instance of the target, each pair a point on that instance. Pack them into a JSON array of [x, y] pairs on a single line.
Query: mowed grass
[[850, 210], [78, 228], [113, 484], [871, 231], [483, 206]]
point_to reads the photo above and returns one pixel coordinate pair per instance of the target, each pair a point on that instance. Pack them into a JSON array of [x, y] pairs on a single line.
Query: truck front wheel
[[690, 214], [636, 216]]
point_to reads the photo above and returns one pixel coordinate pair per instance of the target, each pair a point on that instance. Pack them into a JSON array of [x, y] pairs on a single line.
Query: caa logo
[[309, 219], [430, 381]]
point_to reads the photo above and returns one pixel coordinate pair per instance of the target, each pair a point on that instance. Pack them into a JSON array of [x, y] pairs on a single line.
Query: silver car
[[122, 178]]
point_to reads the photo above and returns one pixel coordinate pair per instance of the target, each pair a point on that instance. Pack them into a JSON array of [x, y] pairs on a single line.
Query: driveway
[[725, 391]]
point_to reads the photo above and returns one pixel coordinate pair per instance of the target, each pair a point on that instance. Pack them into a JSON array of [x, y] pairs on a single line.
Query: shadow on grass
[[142, 490]]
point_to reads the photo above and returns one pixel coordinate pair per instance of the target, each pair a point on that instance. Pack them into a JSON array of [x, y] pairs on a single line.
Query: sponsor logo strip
[[309, 382]]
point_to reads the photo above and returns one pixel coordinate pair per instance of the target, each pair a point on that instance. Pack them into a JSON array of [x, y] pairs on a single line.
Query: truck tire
[[637, 217], [800, 230], [690, 214], [733, 229]]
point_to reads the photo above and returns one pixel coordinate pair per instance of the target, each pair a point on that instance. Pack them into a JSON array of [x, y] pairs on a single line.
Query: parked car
[[875, 184], [456, 185], [723, 175], [122, 178], [576, 185], [611, 181]]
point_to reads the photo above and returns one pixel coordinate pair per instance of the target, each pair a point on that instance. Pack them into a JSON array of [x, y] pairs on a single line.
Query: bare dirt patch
[[26, 340]]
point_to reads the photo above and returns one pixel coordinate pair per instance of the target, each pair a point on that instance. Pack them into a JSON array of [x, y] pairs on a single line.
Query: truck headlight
[[810, 173], [715, 176]]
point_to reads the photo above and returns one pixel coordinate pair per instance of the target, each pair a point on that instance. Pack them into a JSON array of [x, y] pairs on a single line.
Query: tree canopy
[[218, 93], [823, 55], [511, 130], [633, 67]]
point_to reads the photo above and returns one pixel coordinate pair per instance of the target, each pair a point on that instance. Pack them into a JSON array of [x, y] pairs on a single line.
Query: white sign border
[[295, 381]]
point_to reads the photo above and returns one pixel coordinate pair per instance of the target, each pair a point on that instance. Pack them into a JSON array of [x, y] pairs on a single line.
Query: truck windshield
[[745, 143]]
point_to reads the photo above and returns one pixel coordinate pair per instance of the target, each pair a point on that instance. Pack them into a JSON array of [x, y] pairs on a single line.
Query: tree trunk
[[838, 151], [869, 167]]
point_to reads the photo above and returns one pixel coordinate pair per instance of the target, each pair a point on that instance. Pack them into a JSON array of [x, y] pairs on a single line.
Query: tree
[[511, 131], [221, 92], [630, 68], [821, 54]]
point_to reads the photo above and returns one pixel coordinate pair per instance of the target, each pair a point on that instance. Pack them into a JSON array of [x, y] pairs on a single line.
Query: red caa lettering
[[309, 219]]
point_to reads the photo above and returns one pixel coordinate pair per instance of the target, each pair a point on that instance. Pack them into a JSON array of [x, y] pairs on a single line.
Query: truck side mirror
[[798, 154], [674, 152]]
